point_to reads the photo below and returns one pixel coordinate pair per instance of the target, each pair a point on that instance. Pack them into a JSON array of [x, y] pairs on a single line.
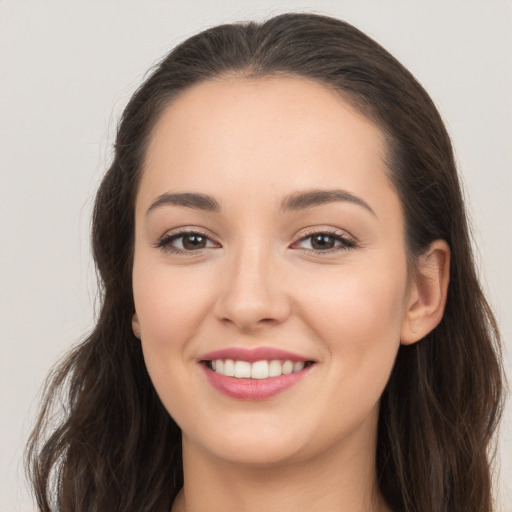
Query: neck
[[340, 480]]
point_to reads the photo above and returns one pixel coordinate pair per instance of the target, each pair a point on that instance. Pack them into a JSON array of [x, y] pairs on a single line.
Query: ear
[[427, 296], [136, 325]]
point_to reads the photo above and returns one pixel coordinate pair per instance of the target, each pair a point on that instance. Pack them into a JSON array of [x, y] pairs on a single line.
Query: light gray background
[[66, 71]]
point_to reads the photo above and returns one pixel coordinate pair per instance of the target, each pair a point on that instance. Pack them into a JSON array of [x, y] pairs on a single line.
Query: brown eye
[[325, 242], [186, 242], [194, 241], [322, 241]]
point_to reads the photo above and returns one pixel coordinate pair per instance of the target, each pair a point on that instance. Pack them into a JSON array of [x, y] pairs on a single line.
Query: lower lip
[[253, 389]]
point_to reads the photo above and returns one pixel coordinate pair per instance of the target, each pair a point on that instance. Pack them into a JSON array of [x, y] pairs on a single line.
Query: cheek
[[367, 296], [169, 304], [170, 307], [358, 314], [356, 319]]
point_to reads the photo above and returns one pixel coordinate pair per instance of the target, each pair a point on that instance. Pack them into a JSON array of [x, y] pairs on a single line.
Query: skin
[[249, 143]]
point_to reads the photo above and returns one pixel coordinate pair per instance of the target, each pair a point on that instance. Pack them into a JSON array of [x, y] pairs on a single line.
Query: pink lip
[[252, 355], [253, 389]]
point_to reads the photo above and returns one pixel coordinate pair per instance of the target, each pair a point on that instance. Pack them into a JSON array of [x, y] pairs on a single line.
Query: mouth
[[264, 369], [254, 374]]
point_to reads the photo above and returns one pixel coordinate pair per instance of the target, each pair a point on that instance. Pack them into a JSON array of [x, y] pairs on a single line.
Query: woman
[[291, 318]]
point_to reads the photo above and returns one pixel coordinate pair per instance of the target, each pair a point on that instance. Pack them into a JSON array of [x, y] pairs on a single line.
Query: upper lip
[[253, 354]]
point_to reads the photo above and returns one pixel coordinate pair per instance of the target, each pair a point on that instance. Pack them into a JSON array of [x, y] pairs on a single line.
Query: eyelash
[[165, 242], [344, 242]]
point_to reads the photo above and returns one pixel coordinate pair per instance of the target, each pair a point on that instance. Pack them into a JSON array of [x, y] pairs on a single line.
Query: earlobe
[[136, 326], [427, 298]]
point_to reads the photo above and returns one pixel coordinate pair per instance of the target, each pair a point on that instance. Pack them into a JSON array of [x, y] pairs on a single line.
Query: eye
[[325, 241], [186, 242]]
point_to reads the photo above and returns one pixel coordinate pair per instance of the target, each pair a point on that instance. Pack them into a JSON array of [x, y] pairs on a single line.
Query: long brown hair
[[114, 447]]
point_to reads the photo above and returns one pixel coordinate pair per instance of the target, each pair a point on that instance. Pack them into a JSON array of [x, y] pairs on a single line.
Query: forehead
[[261, 108], [266, 136]]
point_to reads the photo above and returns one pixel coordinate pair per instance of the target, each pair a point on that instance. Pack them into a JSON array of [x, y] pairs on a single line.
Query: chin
[[258, 455], [253, 447]]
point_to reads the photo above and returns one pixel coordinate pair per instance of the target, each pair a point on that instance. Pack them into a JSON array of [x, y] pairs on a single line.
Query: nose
[[253, 294]]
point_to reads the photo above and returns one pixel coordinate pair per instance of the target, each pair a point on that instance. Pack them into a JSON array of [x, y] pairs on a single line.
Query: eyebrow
[[312, 198], [187, 199], [294, 202]]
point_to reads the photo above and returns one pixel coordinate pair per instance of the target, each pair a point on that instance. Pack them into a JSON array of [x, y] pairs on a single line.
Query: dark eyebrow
[[296, 201], [311, 198], [190, 200]]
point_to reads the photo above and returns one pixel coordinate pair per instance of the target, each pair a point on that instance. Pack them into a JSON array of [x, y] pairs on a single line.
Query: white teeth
[[229, 368], [242, 369], [257, 370], [297, 367], [287, 367], [274, 368]]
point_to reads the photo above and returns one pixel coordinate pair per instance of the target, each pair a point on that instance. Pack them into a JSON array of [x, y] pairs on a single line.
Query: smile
[[256, 370], [254, 374]]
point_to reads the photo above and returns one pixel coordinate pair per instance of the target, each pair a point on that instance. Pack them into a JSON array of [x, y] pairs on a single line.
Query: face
[[268, 234]]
